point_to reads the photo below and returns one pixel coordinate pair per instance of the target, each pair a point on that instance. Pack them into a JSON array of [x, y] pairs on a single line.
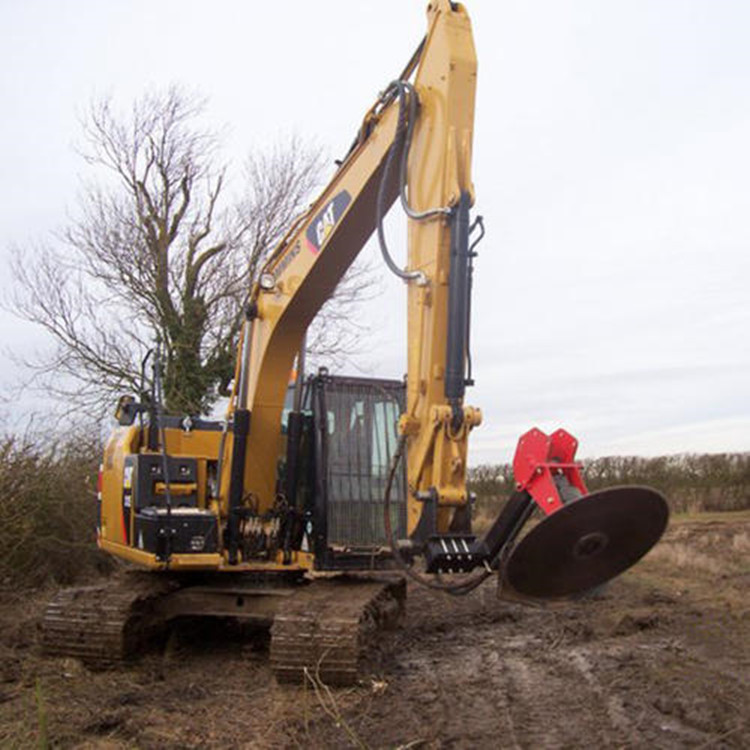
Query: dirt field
[[660, 659]]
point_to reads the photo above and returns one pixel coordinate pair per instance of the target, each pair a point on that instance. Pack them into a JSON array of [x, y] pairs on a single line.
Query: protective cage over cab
[[344, 456]]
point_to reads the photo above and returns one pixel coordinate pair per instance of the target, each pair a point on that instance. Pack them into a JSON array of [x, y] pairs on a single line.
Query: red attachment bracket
[[539, 458]]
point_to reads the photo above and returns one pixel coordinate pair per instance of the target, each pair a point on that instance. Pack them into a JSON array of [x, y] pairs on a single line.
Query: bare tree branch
[[160, 249]]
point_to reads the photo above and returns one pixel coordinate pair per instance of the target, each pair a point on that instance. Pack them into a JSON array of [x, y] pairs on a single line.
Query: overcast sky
[[611, 163]]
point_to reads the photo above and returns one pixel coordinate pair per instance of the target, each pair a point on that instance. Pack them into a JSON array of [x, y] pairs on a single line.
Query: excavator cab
[[341, 460]]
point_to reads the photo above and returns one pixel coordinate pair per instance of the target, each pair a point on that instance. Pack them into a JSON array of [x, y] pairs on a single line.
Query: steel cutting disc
[[587, 542]]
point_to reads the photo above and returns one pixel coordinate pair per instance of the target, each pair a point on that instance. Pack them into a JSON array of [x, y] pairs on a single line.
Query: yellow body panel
[[125, 441], [122, 442]]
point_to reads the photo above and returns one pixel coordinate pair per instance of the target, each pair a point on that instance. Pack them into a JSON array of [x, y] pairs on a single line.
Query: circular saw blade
[[587, 542]]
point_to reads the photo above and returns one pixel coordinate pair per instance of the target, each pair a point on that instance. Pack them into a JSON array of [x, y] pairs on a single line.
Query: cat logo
[[324, 223]]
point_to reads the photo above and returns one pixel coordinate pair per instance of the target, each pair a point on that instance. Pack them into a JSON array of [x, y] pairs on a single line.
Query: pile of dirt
[[660, 658]]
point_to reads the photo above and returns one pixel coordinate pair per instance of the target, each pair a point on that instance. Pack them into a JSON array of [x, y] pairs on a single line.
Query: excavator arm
[[415, 145], [414, 142]]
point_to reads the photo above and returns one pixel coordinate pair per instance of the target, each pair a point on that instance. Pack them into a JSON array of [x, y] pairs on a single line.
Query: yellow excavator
[[307, 508]]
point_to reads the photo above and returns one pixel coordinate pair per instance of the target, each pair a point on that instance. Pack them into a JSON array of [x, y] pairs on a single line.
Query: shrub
[[48, 510]]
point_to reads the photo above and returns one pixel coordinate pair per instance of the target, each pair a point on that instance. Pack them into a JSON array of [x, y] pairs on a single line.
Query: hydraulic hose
[[408, 110], [405, 87], [458, 589], [401, 129]]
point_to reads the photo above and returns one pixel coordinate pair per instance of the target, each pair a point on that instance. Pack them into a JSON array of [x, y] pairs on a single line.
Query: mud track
[[661, 658]]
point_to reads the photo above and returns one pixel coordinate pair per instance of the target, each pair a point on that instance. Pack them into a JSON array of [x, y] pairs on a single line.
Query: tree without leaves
[[159, 250]]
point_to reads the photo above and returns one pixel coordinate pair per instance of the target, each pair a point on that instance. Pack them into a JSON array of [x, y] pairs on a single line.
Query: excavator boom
[[415, 142]]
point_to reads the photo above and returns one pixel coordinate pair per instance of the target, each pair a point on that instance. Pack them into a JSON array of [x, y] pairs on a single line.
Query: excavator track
[[103, 625], [326, 628]]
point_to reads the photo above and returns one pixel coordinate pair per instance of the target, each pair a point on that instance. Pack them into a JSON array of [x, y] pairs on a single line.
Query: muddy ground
[[660, 659]]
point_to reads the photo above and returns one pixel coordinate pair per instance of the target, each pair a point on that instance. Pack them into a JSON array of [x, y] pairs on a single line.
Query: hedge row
[[690, 482]]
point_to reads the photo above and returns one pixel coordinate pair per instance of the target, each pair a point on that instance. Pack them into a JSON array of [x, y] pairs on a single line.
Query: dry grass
[[741, 542], [687, 557]]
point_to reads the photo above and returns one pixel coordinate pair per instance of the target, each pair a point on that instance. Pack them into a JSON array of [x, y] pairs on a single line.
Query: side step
[[326, 627]]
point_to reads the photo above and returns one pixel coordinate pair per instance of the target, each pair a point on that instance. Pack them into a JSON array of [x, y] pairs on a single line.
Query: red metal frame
[[538, 458]]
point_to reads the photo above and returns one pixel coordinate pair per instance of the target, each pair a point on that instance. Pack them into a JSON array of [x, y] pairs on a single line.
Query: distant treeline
[[690, 482]]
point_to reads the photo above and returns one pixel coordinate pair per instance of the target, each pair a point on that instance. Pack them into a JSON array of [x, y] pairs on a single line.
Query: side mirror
[[126, 411]]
